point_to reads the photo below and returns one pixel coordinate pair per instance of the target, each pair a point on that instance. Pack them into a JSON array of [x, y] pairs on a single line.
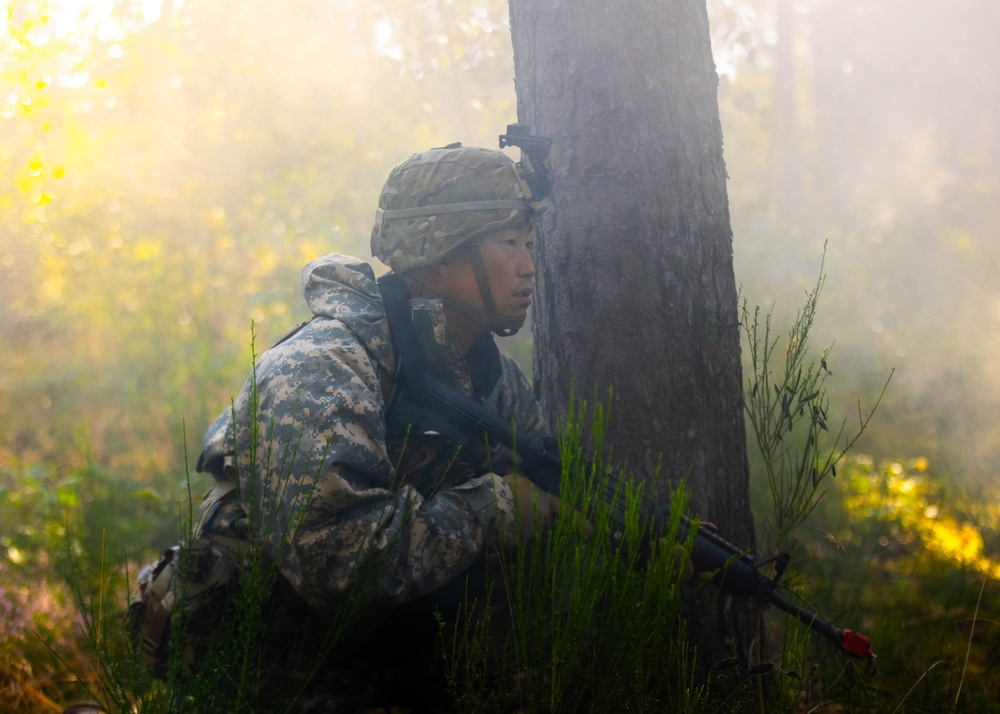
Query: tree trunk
[[635, 283]]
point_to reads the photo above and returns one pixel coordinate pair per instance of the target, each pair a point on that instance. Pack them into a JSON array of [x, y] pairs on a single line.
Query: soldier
[[354, 509]]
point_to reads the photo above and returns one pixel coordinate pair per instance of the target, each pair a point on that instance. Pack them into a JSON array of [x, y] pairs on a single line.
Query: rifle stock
[[734, 570]]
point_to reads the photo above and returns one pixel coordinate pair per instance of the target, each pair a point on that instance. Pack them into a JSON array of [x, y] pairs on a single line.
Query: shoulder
[[320, 370], [324, 344], [512, 373], [514, 395], [344, 297]]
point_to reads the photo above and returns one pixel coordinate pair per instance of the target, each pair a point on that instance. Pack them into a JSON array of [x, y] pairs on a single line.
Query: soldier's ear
[[444, 268], [448, 269], [435, 275]]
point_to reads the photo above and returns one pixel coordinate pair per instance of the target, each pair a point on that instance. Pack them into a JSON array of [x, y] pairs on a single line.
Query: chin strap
[[500, 326]]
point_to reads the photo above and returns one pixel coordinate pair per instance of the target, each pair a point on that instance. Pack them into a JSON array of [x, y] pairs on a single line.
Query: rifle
[[423, 401], [462, 419]]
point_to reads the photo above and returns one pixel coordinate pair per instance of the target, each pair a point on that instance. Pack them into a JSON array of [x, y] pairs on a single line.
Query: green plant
[[60, 528], [213, 666], [786, 404], [597, 622]]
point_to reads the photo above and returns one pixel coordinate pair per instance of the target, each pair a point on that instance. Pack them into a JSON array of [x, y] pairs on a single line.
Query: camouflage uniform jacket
[[313, 459]]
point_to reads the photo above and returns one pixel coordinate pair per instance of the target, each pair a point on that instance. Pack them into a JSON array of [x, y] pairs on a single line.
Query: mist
[[870, 128], [169, 168]]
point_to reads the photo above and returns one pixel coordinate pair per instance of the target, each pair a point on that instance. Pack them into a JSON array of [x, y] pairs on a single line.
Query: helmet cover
[[442, 198]]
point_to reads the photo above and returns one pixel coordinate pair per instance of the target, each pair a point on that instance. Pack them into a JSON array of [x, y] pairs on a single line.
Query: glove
[[681, 563], [534, 509]]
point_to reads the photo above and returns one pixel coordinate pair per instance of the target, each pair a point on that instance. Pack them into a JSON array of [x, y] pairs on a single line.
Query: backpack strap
[[410, 363], [408, 406], [405, 407]]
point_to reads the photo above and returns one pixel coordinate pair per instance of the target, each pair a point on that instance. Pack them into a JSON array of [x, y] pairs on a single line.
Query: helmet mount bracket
[[534, 154]]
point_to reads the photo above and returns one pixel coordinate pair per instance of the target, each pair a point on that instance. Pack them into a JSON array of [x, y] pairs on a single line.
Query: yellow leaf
[[148, 250]]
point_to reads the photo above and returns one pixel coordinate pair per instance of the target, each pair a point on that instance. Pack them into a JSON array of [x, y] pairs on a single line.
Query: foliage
[[598, 623], [787, 414], [163, 179], [885, 535], [863, 127], [884, 548], [60, 532], [905, 564], [158, 194], [39, 618]]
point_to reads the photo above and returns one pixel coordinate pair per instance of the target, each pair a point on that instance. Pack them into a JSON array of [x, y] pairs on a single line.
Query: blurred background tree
[[168, 168], [873, 125], [166, 176]]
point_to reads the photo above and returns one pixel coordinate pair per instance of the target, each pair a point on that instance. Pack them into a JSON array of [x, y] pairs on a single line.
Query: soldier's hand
[[534, 509], [681, 562]]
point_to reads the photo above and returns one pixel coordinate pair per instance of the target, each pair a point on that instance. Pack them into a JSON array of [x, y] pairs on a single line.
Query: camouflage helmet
[[440, 199]]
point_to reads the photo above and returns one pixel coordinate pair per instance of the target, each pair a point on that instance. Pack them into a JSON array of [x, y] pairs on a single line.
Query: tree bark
[[635, 283]]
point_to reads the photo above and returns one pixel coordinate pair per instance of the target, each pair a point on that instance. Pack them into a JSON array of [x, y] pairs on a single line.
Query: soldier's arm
[[323, 491]]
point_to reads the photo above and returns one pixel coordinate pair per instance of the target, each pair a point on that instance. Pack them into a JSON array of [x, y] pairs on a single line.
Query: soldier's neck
[[464, 329]]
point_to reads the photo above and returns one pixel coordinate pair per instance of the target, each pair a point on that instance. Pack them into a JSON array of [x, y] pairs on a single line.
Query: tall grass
[[597, 619], [573, 621], [582, 619], [219, 645]]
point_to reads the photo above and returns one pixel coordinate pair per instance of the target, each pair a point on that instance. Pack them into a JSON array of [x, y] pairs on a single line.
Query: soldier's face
[[508, 257]]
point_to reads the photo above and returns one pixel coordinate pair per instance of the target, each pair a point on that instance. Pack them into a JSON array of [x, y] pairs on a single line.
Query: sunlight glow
[[385, 44], [903, 497], [73, 21]]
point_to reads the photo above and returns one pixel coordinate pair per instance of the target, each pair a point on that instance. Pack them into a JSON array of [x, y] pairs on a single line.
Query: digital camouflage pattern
[[441, 198], [313, 462]]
